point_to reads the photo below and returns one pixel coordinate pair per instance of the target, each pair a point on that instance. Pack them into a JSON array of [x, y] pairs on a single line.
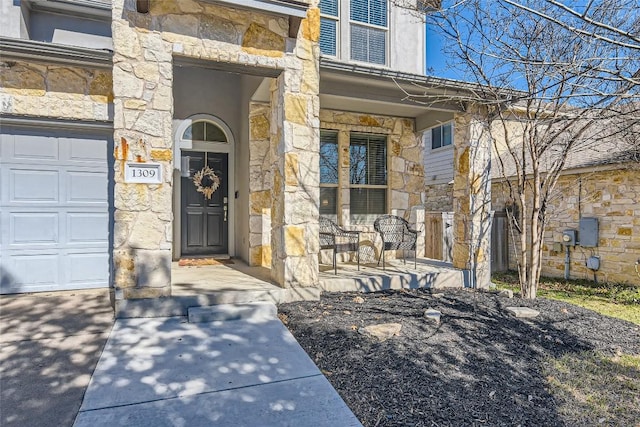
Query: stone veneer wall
[[55, 91], [612, 196], [439, 197], [144, 48], [404, 163]]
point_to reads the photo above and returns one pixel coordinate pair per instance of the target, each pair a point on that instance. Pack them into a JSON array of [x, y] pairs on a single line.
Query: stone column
[[143, 108], [295, 142], [472, 198]]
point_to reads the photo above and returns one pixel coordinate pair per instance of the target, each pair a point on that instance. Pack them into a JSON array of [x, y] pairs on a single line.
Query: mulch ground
[[479, 367]]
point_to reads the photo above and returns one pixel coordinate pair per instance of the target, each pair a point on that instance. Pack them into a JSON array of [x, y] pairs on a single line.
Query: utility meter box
[[588, 232], [569, 237], [593, 263]]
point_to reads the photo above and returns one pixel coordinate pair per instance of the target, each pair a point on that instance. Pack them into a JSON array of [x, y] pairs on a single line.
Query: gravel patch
[[479, 366]]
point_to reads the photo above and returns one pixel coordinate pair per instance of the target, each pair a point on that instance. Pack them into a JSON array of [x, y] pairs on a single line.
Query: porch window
[[441, 136], [329, 27], [369, 31], [328, 173], [205, 131], [367, 176]]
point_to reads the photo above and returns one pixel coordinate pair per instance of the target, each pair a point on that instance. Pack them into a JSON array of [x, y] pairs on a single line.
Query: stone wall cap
[[282, 7]]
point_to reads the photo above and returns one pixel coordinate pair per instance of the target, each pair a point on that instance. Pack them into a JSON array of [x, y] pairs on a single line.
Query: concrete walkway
[[49, 346], [245, 372]]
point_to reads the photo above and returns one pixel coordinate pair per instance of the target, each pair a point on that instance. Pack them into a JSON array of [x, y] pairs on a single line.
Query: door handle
[[225, 208]]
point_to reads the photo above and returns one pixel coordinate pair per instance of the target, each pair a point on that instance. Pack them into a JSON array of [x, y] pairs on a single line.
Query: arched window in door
[[205, 131]]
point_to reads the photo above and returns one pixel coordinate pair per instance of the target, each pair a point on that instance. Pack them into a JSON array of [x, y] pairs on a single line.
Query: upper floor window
[[204, 130], [441, 136], [369, 31], [329, 23], [367, 175]]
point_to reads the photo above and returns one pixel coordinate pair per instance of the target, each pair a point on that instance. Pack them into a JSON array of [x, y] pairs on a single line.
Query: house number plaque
[[143, 173]]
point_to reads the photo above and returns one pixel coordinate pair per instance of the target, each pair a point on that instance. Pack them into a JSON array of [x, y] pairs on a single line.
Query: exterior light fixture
[[142, 6]]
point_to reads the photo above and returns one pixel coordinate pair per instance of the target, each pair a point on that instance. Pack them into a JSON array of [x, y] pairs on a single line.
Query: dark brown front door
[[204, 219]]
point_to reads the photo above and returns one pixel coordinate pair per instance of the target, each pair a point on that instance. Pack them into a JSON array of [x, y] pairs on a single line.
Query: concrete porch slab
[[165, 371]]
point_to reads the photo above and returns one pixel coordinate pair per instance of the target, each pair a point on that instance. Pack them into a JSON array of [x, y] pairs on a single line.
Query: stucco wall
[[54, 91], [611, 196]]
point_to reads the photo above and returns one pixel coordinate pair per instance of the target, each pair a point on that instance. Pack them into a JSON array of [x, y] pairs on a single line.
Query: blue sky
[[436, 64]]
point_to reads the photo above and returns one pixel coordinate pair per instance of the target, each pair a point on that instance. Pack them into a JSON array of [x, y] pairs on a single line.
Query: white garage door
[[54, 210]]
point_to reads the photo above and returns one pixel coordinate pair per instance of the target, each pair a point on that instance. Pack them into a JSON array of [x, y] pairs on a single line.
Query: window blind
[[329, 7], [328, 36], [368, 160], [372, 12]]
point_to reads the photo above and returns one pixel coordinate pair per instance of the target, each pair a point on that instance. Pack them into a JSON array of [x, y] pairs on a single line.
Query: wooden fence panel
[[433, 235]]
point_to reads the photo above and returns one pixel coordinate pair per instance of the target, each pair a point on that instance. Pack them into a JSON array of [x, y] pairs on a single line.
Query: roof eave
[[19, 49]]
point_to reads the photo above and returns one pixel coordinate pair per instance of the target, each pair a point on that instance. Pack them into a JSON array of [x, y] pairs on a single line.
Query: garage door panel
[[41, 269], [86, 150], [87, 228], [33, 186], [86, 187], [29, 228], [88, 269], [34, 147]]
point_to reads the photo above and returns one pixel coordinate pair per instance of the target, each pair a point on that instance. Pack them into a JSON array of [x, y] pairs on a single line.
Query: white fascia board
[[82, 8]]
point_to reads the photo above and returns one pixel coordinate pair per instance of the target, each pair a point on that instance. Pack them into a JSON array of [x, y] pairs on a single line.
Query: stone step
[[179, 305], [254, 311]]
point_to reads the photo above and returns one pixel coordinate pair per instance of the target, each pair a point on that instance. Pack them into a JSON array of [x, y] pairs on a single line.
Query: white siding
[[438, 163]]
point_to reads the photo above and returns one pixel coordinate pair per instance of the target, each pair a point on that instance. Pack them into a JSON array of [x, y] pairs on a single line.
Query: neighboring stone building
[[601, 181], [135, 133]]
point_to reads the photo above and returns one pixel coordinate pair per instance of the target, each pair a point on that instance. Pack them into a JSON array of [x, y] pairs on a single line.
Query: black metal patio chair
[[396, 234], [340, 240]]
